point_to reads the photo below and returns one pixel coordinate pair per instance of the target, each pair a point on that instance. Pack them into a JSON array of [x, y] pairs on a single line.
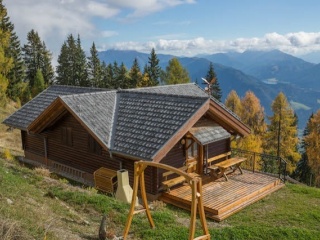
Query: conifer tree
[[38, 83], [135, 74], [72, 64], [122, 77], [81, 65], [94, 68], [281, 138], [36, 56], [211, 77], [153, 68], [312, 145], [16, 74], [303, 171], [175, 73]]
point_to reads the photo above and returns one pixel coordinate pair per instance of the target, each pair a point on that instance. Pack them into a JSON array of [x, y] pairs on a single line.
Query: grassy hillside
[[36, 204]]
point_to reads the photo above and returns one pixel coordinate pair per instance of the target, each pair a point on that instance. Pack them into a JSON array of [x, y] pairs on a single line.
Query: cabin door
[[192, 154]]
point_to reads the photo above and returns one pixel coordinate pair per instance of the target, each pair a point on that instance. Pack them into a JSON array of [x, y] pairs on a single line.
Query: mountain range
[[264, 73]]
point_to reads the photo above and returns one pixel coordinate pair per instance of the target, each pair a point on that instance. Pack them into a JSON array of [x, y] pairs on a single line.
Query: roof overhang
[[207, 131], [227, 119]]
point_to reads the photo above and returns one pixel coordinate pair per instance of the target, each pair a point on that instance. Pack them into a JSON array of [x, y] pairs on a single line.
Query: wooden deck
[[223, 198]]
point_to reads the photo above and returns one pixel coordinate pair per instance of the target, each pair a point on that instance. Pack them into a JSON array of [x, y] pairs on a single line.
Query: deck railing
[[262, 163]]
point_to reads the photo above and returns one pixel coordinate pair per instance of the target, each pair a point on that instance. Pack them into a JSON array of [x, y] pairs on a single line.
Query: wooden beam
[[181, 132], [227, 120], [50, 115]]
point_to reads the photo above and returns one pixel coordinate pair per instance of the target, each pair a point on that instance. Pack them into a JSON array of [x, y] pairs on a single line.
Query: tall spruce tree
[[72, 65], [36, 56], [17, 73], [312, 146], [81, 65], [175, 73], [153, 68], [303, 171], [94, 68], [281, 138], [211, 77]]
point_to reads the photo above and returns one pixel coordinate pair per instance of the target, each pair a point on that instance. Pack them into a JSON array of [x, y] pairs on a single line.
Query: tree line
[[27, 70]]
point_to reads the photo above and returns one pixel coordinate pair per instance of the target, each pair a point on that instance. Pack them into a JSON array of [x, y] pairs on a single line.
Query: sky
[[177, 27]]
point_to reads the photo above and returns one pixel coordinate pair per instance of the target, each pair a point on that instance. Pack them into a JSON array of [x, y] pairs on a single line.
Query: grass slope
[[33, 206]]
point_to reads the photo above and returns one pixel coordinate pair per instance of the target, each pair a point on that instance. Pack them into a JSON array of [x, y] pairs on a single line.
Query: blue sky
[[180, 27]]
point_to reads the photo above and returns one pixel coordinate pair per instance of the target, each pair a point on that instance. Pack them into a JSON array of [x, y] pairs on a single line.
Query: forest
[[27, 70]]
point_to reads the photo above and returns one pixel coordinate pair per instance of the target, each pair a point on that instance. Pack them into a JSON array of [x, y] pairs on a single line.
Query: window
[[93, 145], [66, 136], [192, 148]]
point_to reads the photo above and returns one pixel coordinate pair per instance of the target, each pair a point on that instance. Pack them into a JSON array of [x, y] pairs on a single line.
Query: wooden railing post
[[254, 162]]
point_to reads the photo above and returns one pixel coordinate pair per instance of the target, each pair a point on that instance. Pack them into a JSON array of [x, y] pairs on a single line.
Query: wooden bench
[[219, 169], [168, 183], [218, 158]]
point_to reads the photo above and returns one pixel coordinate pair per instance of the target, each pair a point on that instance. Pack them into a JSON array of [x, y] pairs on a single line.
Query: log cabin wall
[[218, 147], [33, 146], [176, 158], [76, 155]]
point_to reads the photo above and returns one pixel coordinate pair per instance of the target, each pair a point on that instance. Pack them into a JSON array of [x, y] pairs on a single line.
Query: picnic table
[[218, 170]]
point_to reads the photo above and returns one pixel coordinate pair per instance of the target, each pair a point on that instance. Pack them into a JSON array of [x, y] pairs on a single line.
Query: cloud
[[54, 20], [293, 43]]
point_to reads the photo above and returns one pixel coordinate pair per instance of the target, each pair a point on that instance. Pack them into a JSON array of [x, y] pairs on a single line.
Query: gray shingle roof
[[135, 122], [145, 121], [95, 110], [22, 118], [207, 131]]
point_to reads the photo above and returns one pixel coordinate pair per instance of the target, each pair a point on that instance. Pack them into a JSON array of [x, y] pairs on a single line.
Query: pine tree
[[312, 146], [153, 68], [36, 56], [175, 73], [135, 74], [122, 77], [81, 65], [16, 74], [303, 171], [38, 83], [281, 138], [94, 68], [72, 65], [215, 89]]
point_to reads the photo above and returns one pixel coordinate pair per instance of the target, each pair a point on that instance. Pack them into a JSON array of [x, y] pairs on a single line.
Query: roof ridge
[[160, 93], [160, 86], [86, 93]]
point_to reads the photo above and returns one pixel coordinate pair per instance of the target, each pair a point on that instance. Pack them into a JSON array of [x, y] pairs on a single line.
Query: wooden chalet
[[76, 131]]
